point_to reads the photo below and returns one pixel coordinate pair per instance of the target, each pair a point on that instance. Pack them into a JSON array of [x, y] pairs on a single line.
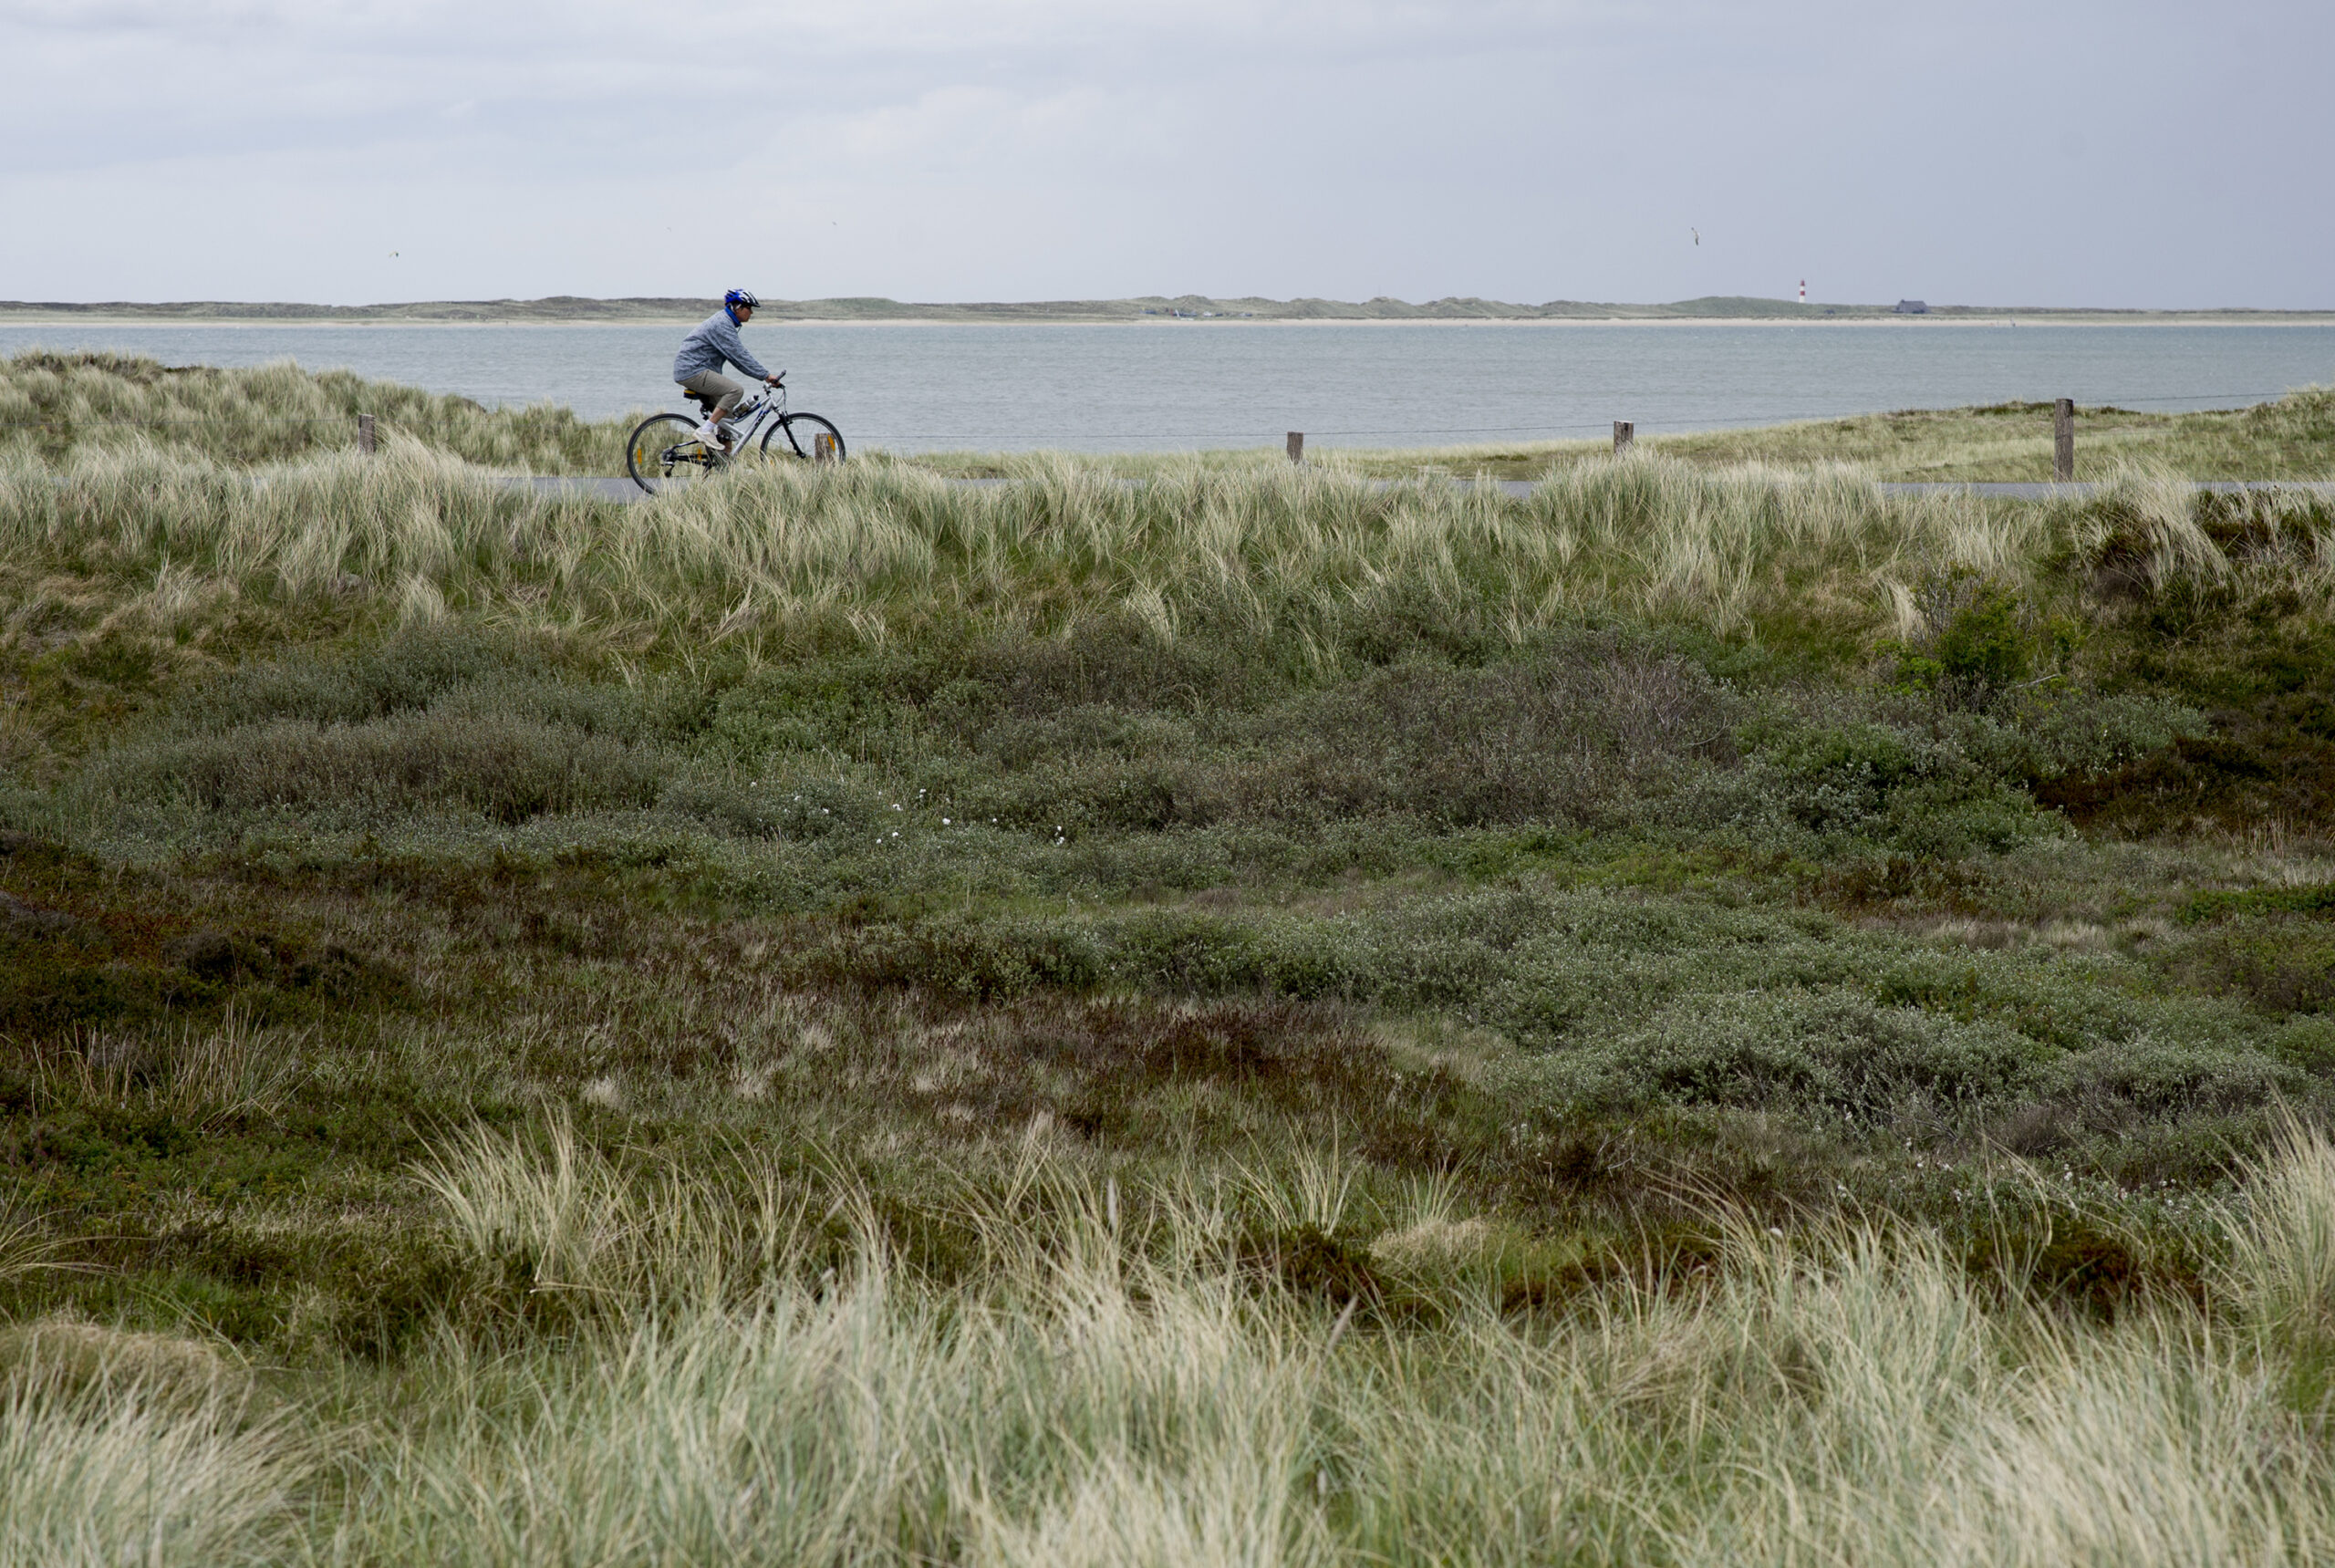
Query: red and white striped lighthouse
[[1803, 291]]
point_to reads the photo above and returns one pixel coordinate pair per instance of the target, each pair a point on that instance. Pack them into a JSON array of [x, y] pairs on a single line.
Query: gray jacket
[[710, 342]]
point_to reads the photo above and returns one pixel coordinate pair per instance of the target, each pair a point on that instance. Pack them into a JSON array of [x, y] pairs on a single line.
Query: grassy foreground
[[1692, 1016]]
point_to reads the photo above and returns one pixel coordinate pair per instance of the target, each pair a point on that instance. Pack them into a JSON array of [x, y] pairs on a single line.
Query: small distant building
[[1912, 307]]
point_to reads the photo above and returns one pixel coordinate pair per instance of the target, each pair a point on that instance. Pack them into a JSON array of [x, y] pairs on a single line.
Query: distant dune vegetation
[[571, 307]]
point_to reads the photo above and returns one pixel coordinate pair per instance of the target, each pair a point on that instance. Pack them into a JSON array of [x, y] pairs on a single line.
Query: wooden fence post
[[1625, 432], [1297, 446], [365, 434], [2063, 441]]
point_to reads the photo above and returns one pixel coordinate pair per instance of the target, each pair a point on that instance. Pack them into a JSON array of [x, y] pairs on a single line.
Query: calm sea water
[[1106, 388]]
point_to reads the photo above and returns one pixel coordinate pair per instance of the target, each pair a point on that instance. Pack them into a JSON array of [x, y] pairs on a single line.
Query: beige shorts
[[721, 389]]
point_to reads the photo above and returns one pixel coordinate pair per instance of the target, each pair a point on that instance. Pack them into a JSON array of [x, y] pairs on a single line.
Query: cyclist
[[698, 367]]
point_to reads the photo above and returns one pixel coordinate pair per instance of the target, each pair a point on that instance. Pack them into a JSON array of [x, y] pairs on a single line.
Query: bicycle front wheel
[[665, 455], [804, 436]]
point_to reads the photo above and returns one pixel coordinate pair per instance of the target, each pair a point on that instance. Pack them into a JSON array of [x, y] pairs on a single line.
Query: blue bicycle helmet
[[738, 296]]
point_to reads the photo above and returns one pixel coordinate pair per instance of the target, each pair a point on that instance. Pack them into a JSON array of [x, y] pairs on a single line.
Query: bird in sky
[[1697, 234]]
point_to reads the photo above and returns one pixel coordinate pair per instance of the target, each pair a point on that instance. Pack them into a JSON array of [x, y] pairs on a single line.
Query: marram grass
[[752, 1376], [787, 558], [55, 407]]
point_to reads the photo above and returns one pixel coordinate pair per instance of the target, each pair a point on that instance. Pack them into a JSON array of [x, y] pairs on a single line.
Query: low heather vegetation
[[1685, 1017]]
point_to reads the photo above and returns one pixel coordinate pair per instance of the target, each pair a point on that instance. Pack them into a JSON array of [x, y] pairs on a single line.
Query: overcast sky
[[2026, 151]]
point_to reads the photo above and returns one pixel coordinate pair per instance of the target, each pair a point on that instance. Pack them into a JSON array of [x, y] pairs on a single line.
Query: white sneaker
[[711, 435]]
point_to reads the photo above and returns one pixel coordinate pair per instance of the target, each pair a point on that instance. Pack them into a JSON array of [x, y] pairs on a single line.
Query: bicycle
[[666, 452]]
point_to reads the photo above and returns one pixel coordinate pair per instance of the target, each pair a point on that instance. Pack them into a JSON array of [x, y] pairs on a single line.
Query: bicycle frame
[[760, 412], [749, 417]]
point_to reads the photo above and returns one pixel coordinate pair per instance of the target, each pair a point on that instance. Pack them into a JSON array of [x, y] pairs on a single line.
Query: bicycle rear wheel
[[665, 455], [804, 436]]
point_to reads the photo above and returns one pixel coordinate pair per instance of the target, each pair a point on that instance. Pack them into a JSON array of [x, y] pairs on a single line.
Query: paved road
[[626, 490]]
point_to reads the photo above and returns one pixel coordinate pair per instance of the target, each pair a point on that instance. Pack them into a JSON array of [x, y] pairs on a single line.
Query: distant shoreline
[[2169, 318], [1187, 310]]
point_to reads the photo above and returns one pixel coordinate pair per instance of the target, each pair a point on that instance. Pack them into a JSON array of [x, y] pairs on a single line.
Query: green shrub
[[1802, 1049], [800, 807], [1980, 638], [453, 671], [507, 769], [1984, 648], [2147, 1079]]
